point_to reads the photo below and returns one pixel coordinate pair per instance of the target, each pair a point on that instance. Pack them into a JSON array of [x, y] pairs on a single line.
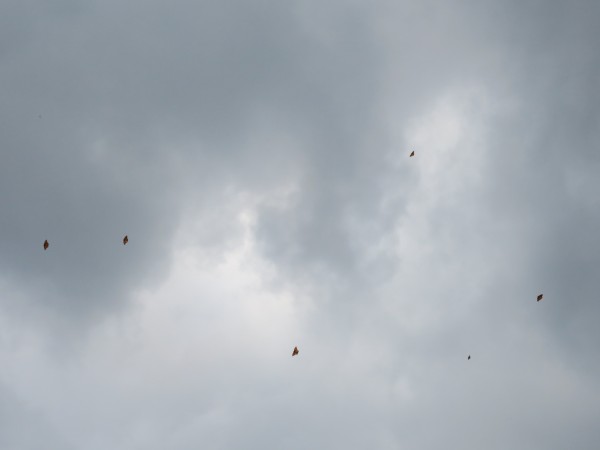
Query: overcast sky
[[256, 154]]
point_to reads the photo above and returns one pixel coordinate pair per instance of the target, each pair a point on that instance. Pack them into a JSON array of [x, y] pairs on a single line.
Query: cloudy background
[[256, 153]]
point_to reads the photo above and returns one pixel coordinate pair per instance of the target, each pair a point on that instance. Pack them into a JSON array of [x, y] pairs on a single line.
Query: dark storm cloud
[[141, 118], [545, 159], [120, 108], [130, 116]]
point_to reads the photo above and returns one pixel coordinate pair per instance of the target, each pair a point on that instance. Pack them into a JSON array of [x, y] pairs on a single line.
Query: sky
[[256, 154]]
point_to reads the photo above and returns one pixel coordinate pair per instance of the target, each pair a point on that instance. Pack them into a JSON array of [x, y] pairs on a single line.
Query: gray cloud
[[257, 157]]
